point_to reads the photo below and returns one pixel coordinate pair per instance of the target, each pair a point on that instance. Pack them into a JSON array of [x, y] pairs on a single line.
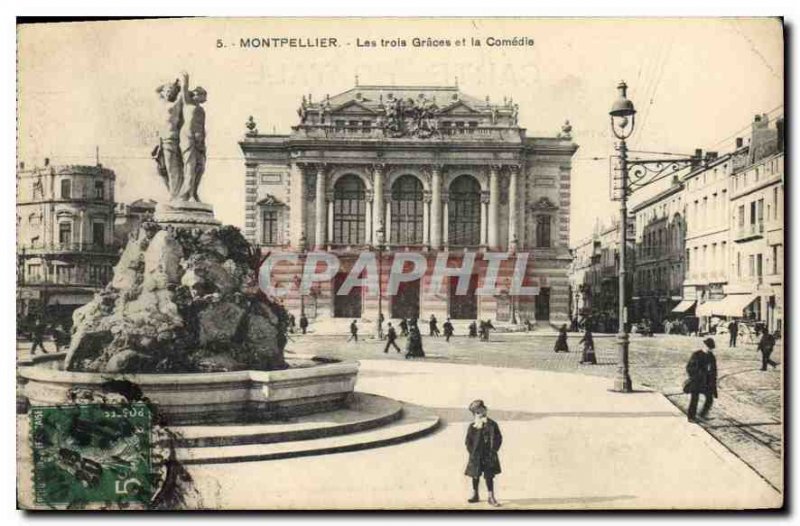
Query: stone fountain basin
[[307, 387]]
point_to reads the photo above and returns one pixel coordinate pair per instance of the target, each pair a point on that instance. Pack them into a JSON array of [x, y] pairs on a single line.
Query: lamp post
[[623, 120], [302, 272], [513, 250], [633, 174], [380, 246]]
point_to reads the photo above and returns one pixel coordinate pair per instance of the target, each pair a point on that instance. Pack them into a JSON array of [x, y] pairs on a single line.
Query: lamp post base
[[622, 382]]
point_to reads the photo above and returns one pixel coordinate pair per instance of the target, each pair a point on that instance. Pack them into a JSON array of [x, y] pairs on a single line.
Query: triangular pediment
[[351, 107], [270, 200], [459, 108], [544, 204]]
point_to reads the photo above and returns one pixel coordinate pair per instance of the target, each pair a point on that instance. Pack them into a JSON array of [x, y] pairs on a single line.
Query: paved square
[[568, 443]]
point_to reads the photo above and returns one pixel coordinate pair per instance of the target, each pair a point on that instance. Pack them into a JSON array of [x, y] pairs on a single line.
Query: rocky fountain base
[[184, 321], [184, 324]]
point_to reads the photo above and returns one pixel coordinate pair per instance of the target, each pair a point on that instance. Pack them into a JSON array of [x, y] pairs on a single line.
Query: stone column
[[369, 226], [81, 228], [297, 212], [494, 207], [426, 218], [513, 205], [329, 199], [377, 202], [320, 230], [387, 234], [436, 207], [445, 219], [484, 214]]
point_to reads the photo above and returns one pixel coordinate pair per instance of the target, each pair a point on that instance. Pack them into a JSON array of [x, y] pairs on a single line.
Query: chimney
[[739, 142], [710, 156], [696, 158], [47, 161]]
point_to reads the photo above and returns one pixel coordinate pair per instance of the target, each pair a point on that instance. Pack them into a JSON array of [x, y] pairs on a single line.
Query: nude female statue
[[193, 139], [167, 153]]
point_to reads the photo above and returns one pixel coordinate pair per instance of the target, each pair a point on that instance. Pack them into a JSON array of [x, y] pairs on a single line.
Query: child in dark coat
[[483, 442]]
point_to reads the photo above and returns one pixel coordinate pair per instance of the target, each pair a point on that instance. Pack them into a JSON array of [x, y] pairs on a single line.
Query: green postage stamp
[[93, 453]]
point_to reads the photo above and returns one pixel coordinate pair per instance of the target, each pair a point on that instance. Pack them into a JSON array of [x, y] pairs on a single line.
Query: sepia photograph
[[474, 264]]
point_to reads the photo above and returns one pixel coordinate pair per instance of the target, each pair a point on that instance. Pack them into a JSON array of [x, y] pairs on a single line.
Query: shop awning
[[684, 306], [732, 305]]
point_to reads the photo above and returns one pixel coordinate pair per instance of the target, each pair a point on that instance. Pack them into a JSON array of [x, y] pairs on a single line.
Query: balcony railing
[[66, 281], [468, 133], [51, 248], [750, 231]]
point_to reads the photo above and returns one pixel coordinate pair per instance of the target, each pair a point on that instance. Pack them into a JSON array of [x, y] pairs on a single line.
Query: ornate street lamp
[[623, 120], [380, 247], [302, 272], [633, 174]]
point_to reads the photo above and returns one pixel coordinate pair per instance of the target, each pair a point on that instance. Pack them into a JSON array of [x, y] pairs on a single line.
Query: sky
[[696, 83]]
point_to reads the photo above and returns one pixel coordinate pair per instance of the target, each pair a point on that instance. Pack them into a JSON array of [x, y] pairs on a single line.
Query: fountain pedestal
[[187, 214]]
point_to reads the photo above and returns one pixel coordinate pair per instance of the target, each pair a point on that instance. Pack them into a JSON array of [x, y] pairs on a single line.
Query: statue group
[[180, 154], [417, 119]]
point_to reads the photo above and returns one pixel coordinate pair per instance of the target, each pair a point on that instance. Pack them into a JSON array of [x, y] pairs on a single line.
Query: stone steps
[[238, 444], [364, 412]]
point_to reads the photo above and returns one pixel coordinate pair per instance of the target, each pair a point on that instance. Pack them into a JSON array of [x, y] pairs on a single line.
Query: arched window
[[407, 206], [464, 212], [349, 211], [543, 231]]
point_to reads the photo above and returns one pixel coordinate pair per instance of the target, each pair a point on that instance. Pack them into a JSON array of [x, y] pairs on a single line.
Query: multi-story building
[[581, 279], [755, 283], [129, 216], [594, 278], [707, 248], [65, 224], [432, 170], [659, 248]]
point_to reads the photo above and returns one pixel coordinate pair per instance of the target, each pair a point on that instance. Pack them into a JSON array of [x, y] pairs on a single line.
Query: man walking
[[60, 337], [353, 331], [702, 371], [303, 323], [766, 345], [38, 337], [391, 336], [448, 330], [473, 329], [403, 327], [433, 326], [484, 330], [733, 329]]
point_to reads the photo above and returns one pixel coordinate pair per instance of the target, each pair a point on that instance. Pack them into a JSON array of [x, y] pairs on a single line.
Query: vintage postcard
[[400, 264]]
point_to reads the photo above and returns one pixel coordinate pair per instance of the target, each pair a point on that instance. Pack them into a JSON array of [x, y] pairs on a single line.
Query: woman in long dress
[[588, 355], [414, 342], [561, 341]]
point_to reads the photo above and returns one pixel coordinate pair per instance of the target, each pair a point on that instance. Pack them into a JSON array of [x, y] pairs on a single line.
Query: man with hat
[[702, 371]]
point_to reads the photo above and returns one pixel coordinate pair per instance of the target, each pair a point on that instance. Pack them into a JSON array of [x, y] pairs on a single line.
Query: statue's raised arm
[[193, 139]]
